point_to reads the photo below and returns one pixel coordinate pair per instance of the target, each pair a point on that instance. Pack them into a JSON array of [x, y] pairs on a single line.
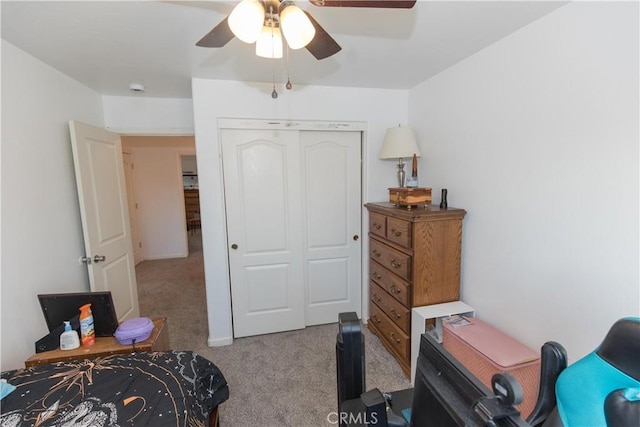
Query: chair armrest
[[622, 407], [554, 361]]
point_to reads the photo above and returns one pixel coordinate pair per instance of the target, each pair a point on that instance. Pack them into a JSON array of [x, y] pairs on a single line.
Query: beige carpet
[[283, 379]]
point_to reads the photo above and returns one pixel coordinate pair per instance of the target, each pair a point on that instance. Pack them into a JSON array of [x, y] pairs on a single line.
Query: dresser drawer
[[378, 224], [395, 286], [399, 314], [396, 261], [389, 332], [399, 231]]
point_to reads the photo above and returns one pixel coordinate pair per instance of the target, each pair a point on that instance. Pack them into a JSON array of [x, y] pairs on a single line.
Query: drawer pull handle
[[395, 315], [396, 232], [394, 264], [395, 290], [375, 253], [376, 276], [377, 226], [375, 319], [393, 337], [376, 298]]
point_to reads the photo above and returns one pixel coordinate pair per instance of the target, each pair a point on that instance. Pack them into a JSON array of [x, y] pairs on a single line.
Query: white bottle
[[69, 338]]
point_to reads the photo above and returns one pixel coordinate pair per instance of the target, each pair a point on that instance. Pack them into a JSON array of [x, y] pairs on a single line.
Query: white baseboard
[[219, 342], [169, 256]]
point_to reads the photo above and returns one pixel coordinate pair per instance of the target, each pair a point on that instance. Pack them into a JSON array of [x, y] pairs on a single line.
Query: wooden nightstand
[[105, 346]]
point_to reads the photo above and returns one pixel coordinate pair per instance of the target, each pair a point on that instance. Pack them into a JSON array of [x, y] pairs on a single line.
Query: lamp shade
[[269, 43], [246, 20], [296, 26], [399, 142]]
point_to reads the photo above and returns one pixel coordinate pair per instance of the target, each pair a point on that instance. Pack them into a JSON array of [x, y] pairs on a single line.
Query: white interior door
[[293, 220], [264, 223], [98, 162], [332, 211]]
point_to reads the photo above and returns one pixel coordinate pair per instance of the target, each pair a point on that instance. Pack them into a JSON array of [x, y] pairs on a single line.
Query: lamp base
[[401, 173]]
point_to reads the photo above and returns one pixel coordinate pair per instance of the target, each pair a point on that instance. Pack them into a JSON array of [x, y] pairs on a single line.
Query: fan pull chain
[[274, 93], [288, 85]]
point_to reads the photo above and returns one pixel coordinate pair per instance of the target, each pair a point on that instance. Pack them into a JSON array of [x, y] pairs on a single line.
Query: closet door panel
[[331, 197], [264, 224]]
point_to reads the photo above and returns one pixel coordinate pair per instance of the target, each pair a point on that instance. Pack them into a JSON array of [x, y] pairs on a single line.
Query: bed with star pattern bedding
[[173, 388]]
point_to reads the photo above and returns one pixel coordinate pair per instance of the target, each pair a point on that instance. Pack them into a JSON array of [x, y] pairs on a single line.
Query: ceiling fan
[[252, 18]]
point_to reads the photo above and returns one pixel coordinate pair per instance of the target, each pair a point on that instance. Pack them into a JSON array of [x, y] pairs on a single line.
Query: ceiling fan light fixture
[[246, 20], [296, 26], [269, 43]]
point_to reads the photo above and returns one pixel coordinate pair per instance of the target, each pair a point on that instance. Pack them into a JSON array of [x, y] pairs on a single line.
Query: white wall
[[41, 232], [157, 177], [537, 137], [223, 99], [139, 115]]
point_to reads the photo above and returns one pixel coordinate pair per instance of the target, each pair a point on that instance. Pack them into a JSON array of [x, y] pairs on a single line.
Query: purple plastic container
[[138, 329]]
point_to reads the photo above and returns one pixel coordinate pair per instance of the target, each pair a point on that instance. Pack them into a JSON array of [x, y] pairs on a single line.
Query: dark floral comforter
[[175, 388]]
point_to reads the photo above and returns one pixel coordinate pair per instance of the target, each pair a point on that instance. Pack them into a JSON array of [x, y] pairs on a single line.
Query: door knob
[[356, 237], [88, 260], [234, 246]]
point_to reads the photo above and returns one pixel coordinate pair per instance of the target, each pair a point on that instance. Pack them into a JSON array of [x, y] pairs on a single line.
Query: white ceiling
[[108, 44]]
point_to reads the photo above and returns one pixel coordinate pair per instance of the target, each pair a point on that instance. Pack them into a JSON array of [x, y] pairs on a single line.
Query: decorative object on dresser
[[412, 181], [409, 197], [415, 258], [443, 199], [399, 142]]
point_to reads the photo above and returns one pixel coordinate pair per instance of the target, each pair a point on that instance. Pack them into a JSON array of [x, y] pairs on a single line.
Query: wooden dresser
[[191, 203], [414, 260]]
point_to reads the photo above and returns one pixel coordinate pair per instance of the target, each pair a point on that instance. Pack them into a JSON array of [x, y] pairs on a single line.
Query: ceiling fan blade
[[218, 37], [323, 45], [385, 4]]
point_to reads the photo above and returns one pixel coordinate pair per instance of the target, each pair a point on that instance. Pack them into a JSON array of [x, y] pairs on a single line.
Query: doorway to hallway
[[175, 289], [171, 275]]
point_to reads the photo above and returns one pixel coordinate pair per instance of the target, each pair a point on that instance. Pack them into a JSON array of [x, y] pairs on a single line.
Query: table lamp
[[399, 142]]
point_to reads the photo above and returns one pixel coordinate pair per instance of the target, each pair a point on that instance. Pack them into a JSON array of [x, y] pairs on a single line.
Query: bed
[[173, 388]]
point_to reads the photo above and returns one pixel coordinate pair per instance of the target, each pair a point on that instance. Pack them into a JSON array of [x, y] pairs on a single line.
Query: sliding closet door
[[293, 208], [264, 225], [332, 211]]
